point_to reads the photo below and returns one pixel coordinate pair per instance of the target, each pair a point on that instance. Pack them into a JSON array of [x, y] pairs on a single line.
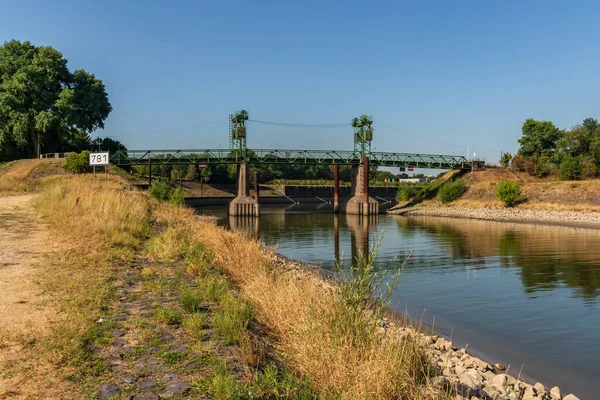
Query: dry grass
[[96, 225], [23, 176], [539, 194], [309, 320]]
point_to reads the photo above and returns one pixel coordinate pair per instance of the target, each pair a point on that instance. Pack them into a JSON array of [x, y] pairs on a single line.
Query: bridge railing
[[271, 156]]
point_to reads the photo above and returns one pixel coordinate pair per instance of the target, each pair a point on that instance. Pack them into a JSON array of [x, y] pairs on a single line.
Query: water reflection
[[549, 257]]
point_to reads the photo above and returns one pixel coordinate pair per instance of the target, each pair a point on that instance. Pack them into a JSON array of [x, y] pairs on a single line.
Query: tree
[[40, 98], [575, 142], [505, 159], [539, 138], [107, 144], [591, 124]]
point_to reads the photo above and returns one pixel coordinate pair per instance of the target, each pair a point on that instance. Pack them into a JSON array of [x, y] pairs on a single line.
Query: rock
[[499, 367], [127, 379], [539, 388], [108, 390], [169, 377], [177, 387], [489, 376], [192, 366], [147, 385], [470, 378], [145, 396], [459, 369], [570, 397], [167, 338], [117, 333], [555, 393], [500, 380]]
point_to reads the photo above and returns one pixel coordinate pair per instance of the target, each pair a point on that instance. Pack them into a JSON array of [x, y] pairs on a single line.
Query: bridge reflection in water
[[359, 227]]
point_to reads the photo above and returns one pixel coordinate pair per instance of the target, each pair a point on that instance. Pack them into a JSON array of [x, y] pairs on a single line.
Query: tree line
[[546, 149]]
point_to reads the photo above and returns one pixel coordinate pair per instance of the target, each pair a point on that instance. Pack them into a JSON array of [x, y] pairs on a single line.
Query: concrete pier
[[336, 188], [243, 204], [360, 203]]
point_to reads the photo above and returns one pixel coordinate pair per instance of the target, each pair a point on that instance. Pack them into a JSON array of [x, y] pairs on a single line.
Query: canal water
[[523, 295]]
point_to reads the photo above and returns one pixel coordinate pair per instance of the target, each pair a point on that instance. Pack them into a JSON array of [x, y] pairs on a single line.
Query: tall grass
[[339, 350], [99, 224]]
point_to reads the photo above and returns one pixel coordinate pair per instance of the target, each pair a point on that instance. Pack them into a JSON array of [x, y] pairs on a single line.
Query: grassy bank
[[252, 327]]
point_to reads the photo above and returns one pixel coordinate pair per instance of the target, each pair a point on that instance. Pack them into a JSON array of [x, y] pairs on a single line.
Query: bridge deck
[[263, 156]]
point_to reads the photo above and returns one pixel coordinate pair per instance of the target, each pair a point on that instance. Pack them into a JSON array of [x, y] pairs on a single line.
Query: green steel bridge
[[238, 153], [266, 157]]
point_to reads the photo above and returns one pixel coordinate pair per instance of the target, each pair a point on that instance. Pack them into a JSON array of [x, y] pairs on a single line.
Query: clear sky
[[437, 76]]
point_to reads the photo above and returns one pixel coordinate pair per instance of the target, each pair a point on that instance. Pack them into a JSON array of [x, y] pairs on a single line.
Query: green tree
[[575, 142], [108, 144], [570, 169], [538, 138], [505, 159], [591, 124], [40, 98]]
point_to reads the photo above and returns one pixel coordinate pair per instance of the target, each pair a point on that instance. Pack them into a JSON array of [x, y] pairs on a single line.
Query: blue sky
[[436, 76]]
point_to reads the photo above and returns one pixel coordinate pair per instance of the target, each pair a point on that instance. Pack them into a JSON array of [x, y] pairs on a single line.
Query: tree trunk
[[35, 138]]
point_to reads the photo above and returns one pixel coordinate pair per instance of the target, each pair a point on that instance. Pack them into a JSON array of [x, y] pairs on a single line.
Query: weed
[[168, 316], [195, 324], [172, 357], [231, 321], [191, 299]]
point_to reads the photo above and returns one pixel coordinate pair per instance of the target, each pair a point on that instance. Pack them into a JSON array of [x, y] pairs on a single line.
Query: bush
[[508, 192], [570, 169], [452, 191], [588, 168], [78, 163], [161, 189], [406, 193], [177, 196], [518, 163]]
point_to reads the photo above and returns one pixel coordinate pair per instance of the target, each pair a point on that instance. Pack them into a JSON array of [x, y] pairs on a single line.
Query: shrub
[[508, 192], [542, 166], [588, 168], [452, 191], [78, 163], [177, 196], [161, 189], [406, 193], [570, 169], [518, 163]]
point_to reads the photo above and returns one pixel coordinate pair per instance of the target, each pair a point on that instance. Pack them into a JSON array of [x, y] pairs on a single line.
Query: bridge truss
[[266, 156]]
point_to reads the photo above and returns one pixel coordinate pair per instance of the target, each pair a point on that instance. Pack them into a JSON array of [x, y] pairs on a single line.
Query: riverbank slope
[[546, 200]]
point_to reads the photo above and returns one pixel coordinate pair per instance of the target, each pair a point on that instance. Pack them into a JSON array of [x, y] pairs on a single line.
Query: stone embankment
[[454, 370], [575, 218]]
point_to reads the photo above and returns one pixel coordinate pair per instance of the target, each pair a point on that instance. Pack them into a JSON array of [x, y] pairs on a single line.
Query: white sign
[[97, 159]]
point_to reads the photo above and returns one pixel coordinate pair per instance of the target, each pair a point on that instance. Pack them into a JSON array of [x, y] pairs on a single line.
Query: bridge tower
[[363, 135], [237, 131], [360, 203], [242, 204]]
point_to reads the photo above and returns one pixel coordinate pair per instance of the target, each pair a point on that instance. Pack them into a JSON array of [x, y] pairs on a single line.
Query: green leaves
[[41, 100]]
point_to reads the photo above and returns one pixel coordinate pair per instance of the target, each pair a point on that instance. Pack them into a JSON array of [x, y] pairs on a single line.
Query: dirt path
[[24, 311], [23, 240]]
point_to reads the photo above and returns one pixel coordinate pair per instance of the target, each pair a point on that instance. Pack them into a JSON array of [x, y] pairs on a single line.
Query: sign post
[[100, 159]]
